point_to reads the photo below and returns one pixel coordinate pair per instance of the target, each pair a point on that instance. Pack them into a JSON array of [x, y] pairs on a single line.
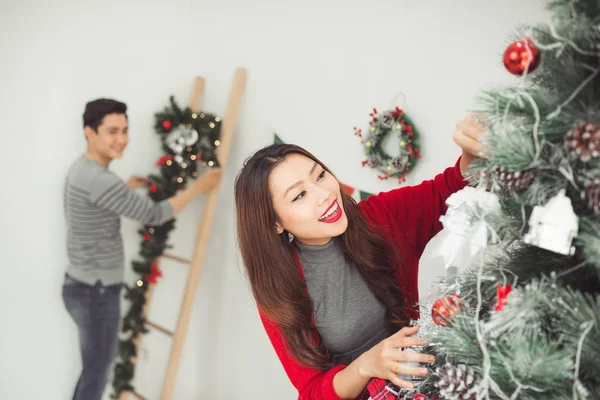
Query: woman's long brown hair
[[276, 281]]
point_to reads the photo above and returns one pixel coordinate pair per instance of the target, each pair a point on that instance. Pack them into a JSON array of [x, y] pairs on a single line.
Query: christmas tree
[[522, 319]]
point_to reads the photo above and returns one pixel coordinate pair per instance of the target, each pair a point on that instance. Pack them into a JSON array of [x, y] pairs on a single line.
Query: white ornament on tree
[[554, 225], [465, 235]]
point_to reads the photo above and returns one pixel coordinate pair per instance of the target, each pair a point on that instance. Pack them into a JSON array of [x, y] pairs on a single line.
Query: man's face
[[111, 138]]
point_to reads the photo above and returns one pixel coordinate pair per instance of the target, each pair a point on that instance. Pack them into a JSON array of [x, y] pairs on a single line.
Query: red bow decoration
[[164, 159], [502, 292], [154, 273]]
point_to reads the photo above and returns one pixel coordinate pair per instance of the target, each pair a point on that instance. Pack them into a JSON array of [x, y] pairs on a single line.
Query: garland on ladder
[[189, 139]]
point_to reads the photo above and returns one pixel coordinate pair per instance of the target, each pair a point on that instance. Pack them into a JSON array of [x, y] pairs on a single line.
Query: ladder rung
[[178, 259], [160, 328]]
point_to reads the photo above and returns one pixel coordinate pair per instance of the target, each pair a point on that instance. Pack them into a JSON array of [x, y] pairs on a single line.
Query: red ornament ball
[[445, 308], [153, 188], [167, 124], [520, 56]]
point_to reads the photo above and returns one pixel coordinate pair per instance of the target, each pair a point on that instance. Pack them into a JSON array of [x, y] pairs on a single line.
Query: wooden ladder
[[208, 212]]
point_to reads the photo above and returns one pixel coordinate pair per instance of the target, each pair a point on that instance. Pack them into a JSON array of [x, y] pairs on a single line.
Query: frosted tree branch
[[583, 84]]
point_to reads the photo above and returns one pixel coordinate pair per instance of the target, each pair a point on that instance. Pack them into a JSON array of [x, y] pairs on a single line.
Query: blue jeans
[[95, 310]]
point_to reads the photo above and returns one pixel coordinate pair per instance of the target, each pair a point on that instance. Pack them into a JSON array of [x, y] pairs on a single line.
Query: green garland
[[188, 138], [394, 122]]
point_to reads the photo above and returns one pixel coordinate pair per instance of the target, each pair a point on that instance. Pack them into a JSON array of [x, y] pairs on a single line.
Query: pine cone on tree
[[457, 382], [591, 195], [514, 181], [584, 140]]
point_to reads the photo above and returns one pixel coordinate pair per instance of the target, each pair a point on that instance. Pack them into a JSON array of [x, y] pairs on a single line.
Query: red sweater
[[410, 217]]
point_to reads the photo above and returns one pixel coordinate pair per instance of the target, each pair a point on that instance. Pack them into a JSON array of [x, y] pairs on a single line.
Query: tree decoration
[[445, 308], [123, 375], [514, 181], [591, 195], [521, 57], [127, 350], [154, 274], [457, 382], [554, 225], [189, 140], [584, 141], [168, 159], [393, 122], [502, 293], [465, 231]]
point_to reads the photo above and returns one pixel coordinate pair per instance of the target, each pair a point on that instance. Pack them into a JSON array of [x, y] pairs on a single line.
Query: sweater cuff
[[327, 389], [456, 179]]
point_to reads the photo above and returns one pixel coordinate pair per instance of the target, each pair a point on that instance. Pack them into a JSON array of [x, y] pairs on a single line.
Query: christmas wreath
[[189, 139], [393, 122]]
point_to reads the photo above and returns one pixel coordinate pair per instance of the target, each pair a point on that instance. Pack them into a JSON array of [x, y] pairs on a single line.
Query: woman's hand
[[384, 360], [468, 135]]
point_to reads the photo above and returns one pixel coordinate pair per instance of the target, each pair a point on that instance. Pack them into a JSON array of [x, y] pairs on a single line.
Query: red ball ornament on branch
[[445, 308], [153, 188], [167, 125], [521, 56]]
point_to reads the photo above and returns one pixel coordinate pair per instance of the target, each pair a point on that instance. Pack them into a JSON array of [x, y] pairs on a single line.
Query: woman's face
[[307, 200]]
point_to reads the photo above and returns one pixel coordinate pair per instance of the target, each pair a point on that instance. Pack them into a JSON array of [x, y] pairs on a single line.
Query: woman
[[336, 282]]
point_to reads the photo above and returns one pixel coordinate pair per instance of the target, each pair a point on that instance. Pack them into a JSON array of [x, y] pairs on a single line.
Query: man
[[94, 200]]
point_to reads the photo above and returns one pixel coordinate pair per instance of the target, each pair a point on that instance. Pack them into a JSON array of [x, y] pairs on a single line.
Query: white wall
[[315, 70]]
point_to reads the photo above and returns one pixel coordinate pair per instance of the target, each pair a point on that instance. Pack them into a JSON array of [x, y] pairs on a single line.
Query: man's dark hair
[[95, 111]]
